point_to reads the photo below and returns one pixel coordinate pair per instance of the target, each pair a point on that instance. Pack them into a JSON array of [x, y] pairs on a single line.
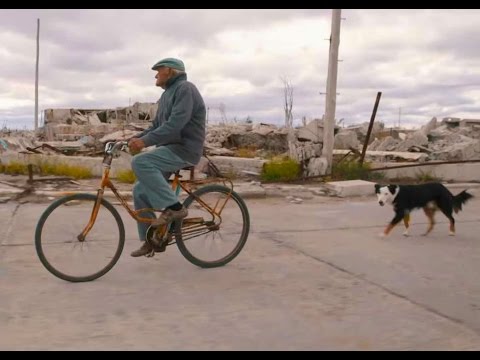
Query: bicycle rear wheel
[[210, 241], [60, 250]]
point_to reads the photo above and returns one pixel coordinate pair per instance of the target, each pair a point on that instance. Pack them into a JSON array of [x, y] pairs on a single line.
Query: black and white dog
[[430, 197]]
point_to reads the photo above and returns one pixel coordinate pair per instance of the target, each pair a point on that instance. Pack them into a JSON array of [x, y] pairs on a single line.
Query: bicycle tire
[[245, 228], [39, 245]]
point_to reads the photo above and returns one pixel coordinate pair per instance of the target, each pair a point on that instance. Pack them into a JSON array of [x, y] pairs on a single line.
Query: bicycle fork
[[93, 216]]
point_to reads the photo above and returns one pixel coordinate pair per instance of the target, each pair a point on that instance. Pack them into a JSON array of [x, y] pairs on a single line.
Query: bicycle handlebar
[[112, 147]]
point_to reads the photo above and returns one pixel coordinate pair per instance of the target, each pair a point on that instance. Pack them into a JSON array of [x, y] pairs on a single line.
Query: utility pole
[[331, 96], [36, 76], [399, 114]]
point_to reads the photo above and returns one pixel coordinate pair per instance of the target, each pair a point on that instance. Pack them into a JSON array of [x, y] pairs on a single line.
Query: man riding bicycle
[[178, 132]]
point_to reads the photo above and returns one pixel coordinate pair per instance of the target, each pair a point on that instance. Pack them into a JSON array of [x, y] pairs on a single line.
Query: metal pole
[[330, 103], [36, 75], [370, 126]]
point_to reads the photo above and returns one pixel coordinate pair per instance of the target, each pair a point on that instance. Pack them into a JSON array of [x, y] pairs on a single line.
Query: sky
[[425, 62]]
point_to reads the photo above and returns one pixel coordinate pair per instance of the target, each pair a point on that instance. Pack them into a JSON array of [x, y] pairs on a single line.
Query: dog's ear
[[392, 188], [377, 188]]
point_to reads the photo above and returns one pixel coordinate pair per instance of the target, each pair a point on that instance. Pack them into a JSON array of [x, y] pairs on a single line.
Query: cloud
[[422, 60]]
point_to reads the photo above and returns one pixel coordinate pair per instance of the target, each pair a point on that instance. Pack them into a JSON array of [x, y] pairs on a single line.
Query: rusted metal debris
[[31, 180], [370, 126], [68, 152]]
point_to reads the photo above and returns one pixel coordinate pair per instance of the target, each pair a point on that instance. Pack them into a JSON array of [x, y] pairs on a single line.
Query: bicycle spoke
[[224, 236], [69, 258]]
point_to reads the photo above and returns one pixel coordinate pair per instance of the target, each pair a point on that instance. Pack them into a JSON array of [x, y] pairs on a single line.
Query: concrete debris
[[220, 151], [242, 148], [72, 124], [346, 140], [250, 173], [452, 140], [316, 166], [293, 199], [119, 135]]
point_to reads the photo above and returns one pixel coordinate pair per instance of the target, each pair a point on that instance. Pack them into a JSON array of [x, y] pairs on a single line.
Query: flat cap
[[171, 63]]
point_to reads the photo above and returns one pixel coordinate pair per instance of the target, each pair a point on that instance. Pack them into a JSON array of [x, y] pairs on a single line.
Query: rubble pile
[[11, 140], [264, 137], [447, 141], [73, 124], [85, 131]]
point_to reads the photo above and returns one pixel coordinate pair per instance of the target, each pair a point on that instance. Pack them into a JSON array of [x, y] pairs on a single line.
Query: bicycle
[[93, 246]]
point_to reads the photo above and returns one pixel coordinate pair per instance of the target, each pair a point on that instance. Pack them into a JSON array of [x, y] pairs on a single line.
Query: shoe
[[146, 249], [169, 216], [162, 246]]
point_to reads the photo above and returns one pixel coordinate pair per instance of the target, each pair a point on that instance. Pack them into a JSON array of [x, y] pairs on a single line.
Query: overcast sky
[[425, 62]]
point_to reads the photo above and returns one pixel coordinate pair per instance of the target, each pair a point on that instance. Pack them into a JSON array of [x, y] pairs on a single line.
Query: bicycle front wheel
[[209, 238], [58, 245]]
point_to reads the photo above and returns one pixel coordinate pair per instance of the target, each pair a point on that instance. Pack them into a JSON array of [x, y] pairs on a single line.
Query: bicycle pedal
[[150, 254]]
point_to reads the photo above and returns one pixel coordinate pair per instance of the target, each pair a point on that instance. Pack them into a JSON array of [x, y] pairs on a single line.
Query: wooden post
[[30, 173]]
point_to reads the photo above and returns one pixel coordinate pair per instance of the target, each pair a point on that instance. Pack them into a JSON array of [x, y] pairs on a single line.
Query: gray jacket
[[180, 120]]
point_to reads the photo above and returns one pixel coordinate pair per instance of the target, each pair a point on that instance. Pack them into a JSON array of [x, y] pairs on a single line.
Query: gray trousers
[[152, 190]]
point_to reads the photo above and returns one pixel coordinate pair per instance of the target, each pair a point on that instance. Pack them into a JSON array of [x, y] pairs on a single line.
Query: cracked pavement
[[312, 276]]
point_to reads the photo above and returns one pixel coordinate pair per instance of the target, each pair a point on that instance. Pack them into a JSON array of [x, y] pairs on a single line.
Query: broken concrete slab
[[346, 140], [263, 129], [312, 132], [302, 150], [16, 143], [387, 144], [431, 125], [235, 166], [94, 120], [459, 151], [119, 135], [352, 188], [317, 166], [417, 138]]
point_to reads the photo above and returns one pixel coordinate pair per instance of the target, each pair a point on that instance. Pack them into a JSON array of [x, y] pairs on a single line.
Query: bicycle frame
[[177, 185]]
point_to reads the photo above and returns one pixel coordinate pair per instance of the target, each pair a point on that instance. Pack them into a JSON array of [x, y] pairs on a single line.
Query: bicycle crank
[[157, 240]]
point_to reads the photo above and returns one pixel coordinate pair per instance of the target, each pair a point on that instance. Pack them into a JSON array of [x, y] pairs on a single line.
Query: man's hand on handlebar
[[135, 145]]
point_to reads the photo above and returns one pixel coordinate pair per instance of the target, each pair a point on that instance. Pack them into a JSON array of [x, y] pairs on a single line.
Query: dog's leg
[[447, 211], [398, 217], [406, 222], [430, 215], [452, 226]]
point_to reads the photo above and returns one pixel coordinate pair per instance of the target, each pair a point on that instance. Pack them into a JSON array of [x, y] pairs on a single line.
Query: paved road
[[313, 276]]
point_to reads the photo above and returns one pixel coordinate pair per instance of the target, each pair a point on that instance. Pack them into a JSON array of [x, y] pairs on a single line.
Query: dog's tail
[[460, 199]]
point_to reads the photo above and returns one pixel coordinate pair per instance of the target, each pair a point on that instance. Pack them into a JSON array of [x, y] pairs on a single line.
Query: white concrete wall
[[226, 164], [93, 163], [467, 172], [447, 172]]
